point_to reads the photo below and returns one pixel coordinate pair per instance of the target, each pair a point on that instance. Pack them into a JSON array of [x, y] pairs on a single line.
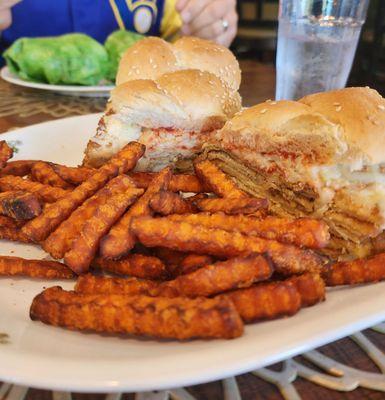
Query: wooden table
[[20, 107]]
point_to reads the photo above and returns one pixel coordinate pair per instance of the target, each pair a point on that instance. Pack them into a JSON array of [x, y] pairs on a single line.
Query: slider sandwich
[[322, 156], [173, 116]]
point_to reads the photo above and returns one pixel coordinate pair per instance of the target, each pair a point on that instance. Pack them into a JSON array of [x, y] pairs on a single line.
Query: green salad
[[116, 44], [72, 59]]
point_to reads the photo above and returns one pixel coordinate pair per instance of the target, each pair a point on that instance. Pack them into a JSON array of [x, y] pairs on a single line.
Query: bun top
[[188, 99], [346, 126], [152, 57], [360, 112]]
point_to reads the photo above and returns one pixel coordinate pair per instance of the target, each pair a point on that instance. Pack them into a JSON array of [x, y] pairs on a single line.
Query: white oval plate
[[69, 90], [43, 356]]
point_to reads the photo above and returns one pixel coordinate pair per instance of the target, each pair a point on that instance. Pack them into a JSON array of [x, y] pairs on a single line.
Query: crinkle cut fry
[[17, 168], [191, 262], [266, 301], [39, 228], [355, 272], [177, 318], [310, 286], [43, 172], [247, 205], [288, 260], [120, 239], [46, 193], [6, 152], [178, 183], [93, 284], [171, 258], [84, 247], [13, 233], [60, 240], [219, 277], [137, 265], [19, 205], [199, 196], [166, 203], [15, 266], [8, 222], [304, 232], [73, 175], [215, 179]]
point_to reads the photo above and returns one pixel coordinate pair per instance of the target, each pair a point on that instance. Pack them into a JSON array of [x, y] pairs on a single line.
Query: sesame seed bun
[[360, 112], [345, 126], [152, 57]]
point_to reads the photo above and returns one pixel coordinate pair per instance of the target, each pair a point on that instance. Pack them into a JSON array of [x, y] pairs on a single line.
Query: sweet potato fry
[[93, 284], [218, 182], [59, 241], [6, 152], [178, 183], [166, 203], [137, 265], [8, 222], [219, 277], [183, 236], [355, 272], [266, 301], [171, 258], [39, 228], [45, 193], [19, 205], [247, 205], [191, 263], [73, 175], [84, 248], [196, 197], [44, 173], [17, 168], [177, 318], [120, 240], [310, 287], [305, 232], [15, 266], [13, 233]]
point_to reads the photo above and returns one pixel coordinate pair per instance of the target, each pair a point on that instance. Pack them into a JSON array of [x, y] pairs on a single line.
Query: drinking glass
[[317, 40]]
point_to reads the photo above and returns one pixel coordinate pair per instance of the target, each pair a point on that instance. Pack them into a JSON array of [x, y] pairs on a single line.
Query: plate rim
[[10, 77], [193, 378]]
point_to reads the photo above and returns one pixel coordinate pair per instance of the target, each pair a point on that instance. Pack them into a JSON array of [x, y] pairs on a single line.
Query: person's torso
[[37, 18]]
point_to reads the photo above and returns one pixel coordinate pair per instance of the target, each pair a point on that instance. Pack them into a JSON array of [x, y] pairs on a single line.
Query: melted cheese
[[339, 176]]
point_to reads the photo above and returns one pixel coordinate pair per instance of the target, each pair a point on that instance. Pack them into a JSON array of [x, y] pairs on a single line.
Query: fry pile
[[160, 254]]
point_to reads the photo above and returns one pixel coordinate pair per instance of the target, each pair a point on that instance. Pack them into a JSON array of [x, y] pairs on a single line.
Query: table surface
[[20, 107]]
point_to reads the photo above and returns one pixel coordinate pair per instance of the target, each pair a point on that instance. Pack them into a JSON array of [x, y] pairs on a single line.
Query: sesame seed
[[336, 104], [338, 108], [381, 107], [263, 111], [268, 101], [273, 102]]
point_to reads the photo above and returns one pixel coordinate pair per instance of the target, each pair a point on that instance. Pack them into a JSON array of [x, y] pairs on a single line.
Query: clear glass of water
[[317, 40]]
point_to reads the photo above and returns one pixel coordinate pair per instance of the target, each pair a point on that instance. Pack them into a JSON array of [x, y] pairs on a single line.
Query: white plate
[[69, 90], [43, 356]]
